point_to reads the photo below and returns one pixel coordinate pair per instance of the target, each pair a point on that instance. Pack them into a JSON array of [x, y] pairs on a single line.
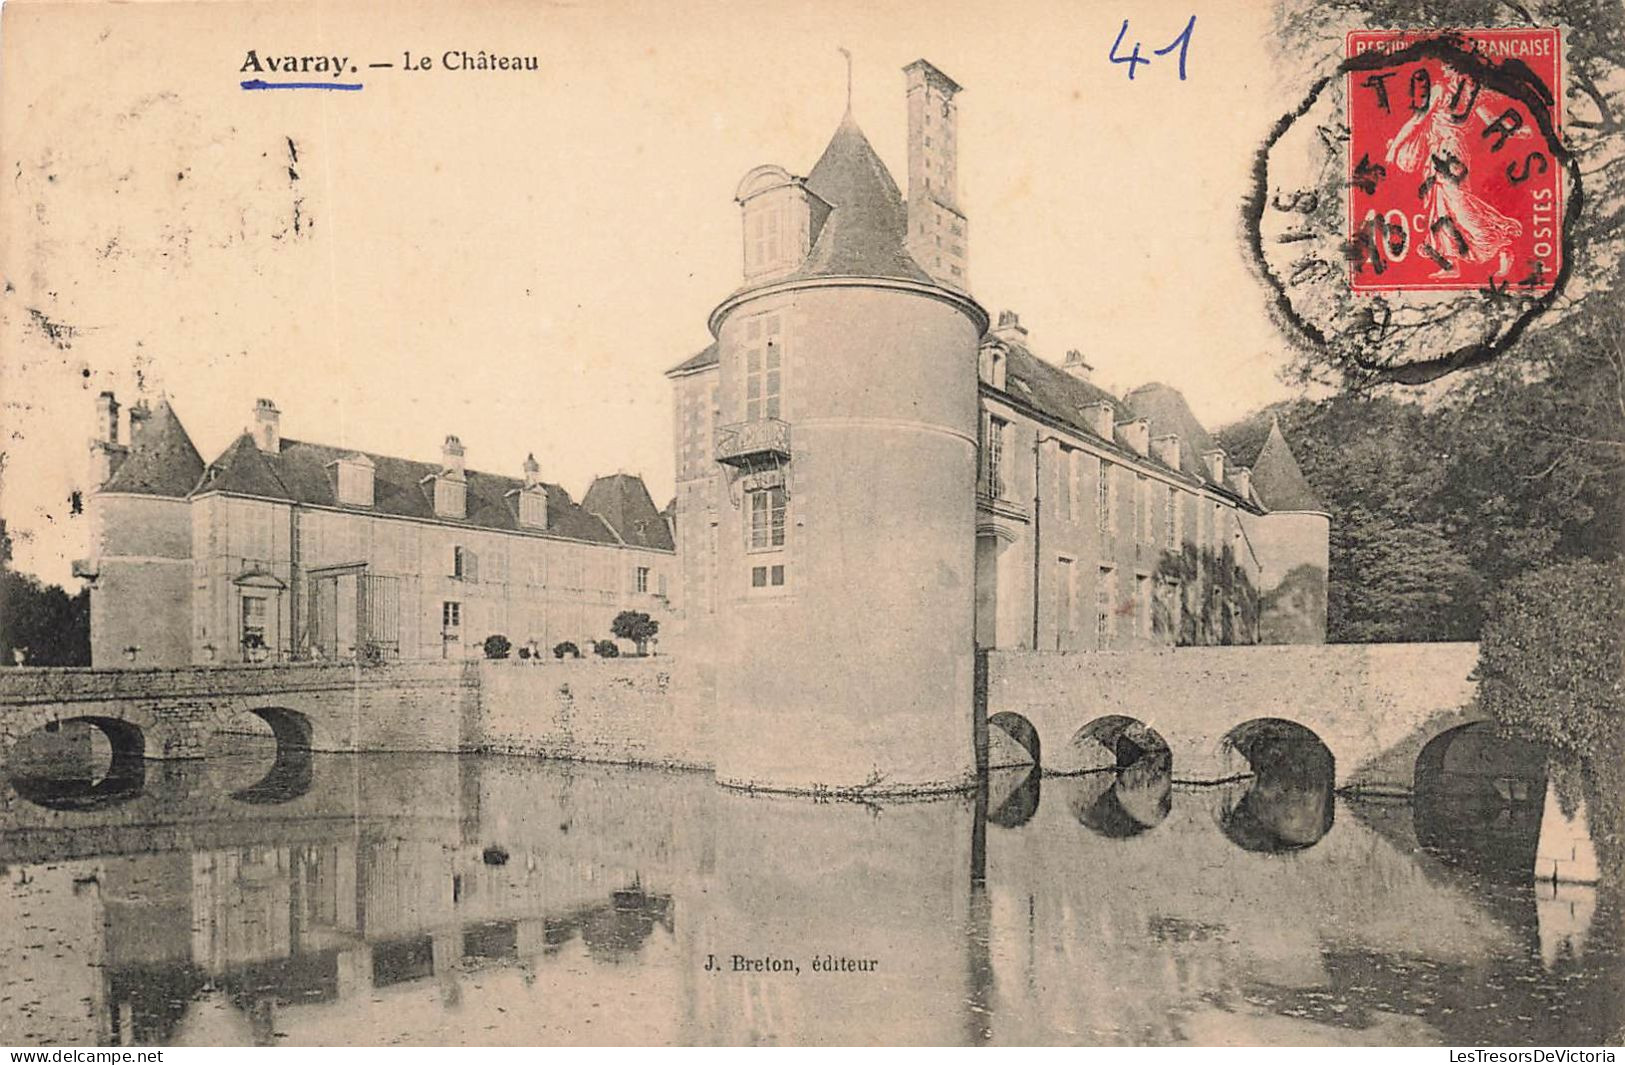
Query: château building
[[281, 549], [872, 483]]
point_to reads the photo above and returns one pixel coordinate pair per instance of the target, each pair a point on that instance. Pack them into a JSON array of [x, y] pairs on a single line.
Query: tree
[[49, 625], [636, 626], [1593, 129], [1397, 570], [1550, 669]]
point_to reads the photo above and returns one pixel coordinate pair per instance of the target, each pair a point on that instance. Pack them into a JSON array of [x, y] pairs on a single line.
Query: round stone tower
[[847, 448]]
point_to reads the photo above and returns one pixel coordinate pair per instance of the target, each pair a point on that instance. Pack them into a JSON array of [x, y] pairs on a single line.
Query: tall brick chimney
[[267, 427], [139, 413], [106, 453], [937, 233], [451, 455]]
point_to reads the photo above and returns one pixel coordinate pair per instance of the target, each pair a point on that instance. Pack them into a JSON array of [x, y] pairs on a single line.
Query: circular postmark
[[1413, 215]]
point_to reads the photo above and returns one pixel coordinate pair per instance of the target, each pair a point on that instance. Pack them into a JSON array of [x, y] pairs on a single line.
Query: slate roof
[[1278, 480], [162, 462], [1057, 394], [698, 361], [300, 472], [1167, 412], [866, 232], [624, 502]]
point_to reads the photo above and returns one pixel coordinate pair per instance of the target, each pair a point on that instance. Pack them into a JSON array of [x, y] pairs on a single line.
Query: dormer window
[[765, 225], [533, 508], [781, 221], [354, 477], [450, 497], [992, 366]]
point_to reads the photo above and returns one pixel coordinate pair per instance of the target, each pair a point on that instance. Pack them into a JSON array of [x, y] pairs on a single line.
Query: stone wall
[[427, 706], [631, 710], [1374, 705]]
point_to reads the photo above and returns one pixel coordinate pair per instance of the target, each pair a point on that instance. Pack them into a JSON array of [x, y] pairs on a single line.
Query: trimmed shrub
[[566, 648], [606, 649], [636, 626], [497, 646]]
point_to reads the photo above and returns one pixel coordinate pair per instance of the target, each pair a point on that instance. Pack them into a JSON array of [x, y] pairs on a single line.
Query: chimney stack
[[106, 453], [139, 413], [1215, 464], [267, 427], [1077, 366], [936, 225], [451, 457], [107, 418], [1010, 330]]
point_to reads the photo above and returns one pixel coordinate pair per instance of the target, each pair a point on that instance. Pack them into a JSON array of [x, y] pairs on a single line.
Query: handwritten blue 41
[[1182, 42]]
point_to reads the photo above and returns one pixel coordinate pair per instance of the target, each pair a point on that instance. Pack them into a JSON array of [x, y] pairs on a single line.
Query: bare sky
[[516, 257]]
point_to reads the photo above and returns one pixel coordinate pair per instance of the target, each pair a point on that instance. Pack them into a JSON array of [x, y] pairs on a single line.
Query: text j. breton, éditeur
[[336, 66], [821, 963]]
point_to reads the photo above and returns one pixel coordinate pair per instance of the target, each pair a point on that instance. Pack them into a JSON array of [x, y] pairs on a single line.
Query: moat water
[[430, 899]]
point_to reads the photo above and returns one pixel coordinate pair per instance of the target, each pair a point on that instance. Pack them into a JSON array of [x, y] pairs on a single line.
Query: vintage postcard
[[718, 523]]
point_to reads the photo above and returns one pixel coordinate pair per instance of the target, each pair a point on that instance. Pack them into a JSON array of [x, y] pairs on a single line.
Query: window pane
[[778, 576], [758, 577]]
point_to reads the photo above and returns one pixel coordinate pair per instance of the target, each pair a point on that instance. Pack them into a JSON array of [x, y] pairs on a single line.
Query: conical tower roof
[[162, 462], [1278, 481], [866, 231]]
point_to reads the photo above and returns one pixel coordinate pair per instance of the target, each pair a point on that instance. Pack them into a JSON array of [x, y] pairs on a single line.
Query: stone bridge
[[171, 713], [1374, 706]]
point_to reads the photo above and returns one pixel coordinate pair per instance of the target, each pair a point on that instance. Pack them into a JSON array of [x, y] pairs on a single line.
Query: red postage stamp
[[1452, 183]]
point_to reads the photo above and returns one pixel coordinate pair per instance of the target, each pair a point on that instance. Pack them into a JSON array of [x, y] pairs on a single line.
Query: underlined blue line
[[338, 86]]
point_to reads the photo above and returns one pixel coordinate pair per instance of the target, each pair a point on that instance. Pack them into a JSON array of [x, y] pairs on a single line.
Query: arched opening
[[1478, 800], [1127, 785], [266, 733], [1011, 741], [1284, 800], [79, 763]]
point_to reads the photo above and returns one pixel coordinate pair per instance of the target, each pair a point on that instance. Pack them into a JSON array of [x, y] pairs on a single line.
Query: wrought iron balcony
[[753, 444]]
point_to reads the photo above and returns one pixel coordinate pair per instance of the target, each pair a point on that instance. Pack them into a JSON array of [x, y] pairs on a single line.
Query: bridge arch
[[1009, 725], [1479, 798], [1125, 784], [292, 772], [1115, 741], [59, 787], [1282, 796]]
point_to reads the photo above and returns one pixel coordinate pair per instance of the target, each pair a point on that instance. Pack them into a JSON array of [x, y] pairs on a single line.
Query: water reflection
[[365, 910], [1016, 794], [1288, 803], [83, 763]]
